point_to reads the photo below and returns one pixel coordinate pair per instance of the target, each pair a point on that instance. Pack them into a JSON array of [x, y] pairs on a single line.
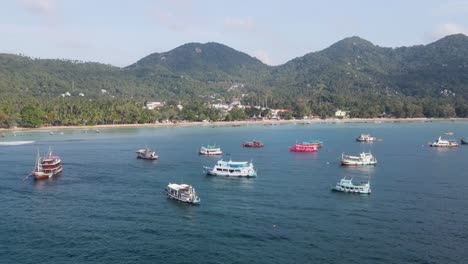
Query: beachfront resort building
[[341, 114]]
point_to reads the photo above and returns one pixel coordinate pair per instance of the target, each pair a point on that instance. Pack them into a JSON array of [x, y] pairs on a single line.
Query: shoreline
[[238, 123]]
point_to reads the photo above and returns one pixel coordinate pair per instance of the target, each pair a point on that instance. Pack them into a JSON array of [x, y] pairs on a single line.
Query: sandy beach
[[238, 123]]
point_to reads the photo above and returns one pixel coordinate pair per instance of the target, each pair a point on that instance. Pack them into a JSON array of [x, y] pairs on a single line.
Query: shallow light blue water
[[108, 207]]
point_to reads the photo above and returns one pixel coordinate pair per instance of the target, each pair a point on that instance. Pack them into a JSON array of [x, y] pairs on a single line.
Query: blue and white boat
[[346, 185], [232, 168]]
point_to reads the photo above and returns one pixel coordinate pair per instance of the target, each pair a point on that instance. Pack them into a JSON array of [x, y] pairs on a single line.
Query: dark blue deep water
[[108, 207]]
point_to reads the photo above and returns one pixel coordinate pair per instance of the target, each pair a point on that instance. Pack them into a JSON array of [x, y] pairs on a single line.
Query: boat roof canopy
[[178, 187]]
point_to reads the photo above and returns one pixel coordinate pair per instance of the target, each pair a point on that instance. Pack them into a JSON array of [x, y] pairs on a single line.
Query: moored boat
[[346, 185], [366, 138], [444, 143], [252, 144], [365, 158], [464, 141], [48, 166], [232, 168], [210, 150], [146, 154], [182, 192], [304, 147]]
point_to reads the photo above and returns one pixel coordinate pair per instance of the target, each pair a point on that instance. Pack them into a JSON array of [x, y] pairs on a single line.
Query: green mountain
[[354, 65], [207, 62], [350, 67]]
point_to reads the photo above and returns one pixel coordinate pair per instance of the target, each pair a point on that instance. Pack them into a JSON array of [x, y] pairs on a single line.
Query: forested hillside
[[352, 74]]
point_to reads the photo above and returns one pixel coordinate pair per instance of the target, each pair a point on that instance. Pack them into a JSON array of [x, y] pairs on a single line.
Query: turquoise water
[[108, 206]]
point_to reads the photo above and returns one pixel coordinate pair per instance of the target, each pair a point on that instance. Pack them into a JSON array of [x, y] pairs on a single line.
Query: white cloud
[[40, 7], [443, 30], [239, 24], [263, 56]]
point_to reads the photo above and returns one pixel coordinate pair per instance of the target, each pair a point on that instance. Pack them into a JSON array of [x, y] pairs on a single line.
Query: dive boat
[[366, 138], [363, 159], [232, 168], [347, 185], [146, 154], [183, 193], [464, 141], [252, 144], [304, 147], [210, 150], [443, 143], [48, 166]]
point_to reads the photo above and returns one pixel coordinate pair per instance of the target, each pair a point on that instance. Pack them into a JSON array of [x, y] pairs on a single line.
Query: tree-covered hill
[[206, 62], [356, 65], [352, 73]]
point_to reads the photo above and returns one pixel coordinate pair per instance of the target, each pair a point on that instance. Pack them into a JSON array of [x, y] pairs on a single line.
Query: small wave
[[15, 143]]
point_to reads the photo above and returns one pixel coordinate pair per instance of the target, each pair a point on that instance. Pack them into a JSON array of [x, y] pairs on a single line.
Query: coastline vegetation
[[77, 111]]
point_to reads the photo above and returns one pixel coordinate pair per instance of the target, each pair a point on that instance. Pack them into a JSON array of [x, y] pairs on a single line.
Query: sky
[[120, 32]]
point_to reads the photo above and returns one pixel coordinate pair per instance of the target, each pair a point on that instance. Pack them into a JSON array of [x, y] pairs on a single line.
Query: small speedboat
[[146, 154], [464, 141]]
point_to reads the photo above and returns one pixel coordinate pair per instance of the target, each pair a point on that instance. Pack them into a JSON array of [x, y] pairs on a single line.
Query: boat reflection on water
[[231, 182], [47, 183], [367, 170]]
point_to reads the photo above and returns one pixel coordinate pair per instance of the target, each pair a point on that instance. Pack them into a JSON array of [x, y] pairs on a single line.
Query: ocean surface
[[109, 207]]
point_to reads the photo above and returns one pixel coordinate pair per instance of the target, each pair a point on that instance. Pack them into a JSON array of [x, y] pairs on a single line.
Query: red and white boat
[[48, 166], [304, 147], [252, 144]]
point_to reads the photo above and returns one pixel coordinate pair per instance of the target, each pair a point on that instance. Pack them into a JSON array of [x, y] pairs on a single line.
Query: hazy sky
[[120, 32]]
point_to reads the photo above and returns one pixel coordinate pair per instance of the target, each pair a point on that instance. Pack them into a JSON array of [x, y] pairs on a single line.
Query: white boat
[[347, 185], [146, 153], [210, 150], [15, 143], [444, 143], [366, 138], [448, 133], [363, 159], [232, 168], [182, 192]]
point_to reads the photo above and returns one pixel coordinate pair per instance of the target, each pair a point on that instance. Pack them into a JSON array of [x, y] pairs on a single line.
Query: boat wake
[[15, 143]]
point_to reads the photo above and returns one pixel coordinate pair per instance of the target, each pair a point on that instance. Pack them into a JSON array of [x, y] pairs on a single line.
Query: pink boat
[[304, 147]]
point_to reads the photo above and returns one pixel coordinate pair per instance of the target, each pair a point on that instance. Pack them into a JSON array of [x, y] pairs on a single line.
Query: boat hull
[[464, 141], [43, 175], [209, 153], [252, 145], [452, 145], [352, 163], [148, 158], [210, 172], [293, 149], [172, 197], [343, 190]]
